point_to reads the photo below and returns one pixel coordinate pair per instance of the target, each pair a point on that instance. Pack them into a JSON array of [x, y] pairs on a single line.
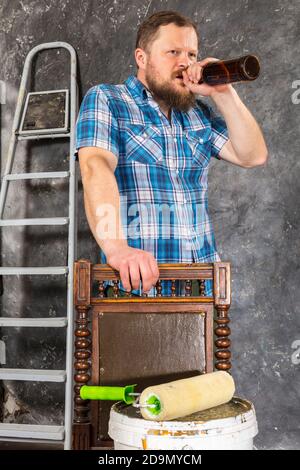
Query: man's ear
[[140, 58]]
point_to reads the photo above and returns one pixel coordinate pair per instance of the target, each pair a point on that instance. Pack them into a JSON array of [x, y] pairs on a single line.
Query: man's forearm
[[102, 206], [244, 132]]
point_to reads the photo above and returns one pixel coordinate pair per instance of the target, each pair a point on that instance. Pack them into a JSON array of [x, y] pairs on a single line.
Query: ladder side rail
[[72, 251], [15, 125]]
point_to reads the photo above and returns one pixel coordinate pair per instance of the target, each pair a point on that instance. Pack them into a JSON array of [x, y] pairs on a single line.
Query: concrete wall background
[[255, 212]]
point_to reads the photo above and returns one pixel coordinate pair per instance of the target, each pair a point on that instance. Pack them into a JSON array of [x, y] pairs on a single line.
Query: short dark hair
[[148, 30]]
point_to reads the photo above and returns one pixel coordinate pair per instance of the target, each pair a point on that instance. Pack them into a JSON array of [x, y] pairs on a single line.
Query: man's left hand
[[193, 75]]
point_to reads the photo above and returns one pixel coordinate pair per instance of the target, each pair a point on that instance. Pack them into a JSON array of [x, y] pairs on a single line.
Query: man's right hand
[[134, 265]]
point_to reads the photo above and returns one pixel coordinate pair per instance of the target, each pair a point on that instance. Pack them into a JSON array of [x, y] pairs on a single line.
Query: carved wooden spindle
[[202, 288], [158, 289], [82, 372], [116, 289], [101, 289], [173, 288], [222, 332], [188, 288]]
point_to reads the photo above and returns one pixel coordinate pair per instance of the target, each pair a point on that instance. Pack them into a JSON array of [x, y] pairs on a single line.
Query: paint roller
[[170, 400]]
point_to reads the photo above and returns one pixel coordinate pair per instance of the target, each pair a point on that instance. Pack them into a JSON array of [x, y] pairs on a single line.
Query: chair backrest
[[155, 364]]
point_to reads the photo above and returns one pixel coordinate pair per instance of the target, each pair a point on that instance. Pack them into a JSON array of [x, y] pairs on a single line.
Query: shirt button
[[201, 141]]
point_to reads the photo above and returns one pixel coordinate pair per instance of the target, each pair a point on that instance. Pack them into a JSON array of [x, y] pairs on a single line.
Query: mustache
[[179, 74]]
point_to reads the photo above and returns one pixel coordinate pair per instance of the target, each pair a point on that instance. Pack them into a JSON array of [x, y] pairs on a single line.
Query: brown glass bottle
[[244, 68]]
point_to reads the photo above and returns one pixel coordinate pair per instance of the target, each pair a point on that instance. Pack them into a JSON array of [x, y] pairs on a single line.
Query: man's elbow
[[257, 160]]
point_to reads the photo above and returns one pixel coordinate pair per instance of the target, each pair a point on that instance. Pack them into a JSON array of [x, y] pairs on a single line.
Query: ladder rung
[[34, 322], [41, 136], [34, 375], [41, 175], [39, 221], [31, 431], [11, 271]]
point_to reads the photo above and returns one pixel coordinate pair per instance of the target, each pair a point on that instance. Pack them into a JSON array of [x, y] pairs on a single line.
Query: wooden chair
[[92, 306]]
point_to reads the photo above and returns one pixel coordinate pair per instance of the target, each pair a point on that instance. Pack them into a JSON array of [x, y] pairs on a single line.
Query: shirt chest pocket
[[199, 142], [143, 144]]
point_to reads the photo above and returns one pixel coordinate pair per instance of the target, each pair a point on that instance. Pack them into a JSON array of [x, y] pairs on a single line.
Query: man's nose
[[184, 61]]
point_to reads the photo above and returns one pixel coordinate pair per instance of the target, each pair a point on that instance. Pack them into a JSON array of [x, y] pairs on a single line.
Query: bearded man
[[144, 150]]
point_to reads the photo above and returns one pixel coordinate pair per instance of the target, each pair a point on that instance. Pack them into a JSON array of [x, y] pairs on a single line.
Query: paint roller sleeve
[[184, 397]]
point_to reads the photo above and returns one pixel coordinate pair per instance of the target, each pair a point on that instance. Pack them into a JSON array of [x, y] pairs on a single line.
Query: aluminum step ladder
[[30, 432]]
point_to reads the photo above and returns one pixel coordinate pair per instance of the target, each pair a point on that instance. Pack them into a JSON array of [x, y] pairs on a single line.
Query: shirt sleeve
[[96, 125], [219, 134]]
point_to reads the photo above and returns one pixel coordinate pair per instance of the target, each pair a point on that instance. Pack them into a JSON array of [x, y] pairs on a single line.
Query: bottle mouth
[[251, 67]]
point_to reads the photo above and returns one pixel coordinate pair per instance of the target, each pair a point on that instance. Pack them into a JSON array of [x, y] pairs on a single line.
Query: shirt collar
[[137, 88]]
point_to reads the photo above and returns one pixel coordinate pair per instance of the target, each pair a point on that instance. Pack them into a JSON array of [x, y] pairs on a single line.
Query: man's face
[[172, 51]]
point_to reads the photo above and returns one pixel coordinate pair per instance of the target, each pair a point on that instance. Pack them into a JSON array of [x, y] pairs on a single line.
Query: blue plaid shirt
[[162, 168]]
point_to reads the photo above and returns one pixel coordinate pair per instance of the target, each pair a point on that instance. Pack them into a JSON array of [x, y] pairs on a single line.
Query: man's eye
[[173, 52]]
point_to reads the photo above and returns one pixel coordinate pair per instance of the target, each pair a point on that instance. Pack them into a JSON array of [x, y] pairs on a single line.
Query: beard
[[167, 93]]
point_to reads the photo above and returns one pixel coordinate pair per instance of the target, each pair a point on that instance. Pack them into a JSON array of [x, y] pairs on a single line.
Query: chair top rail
[[174, 271]]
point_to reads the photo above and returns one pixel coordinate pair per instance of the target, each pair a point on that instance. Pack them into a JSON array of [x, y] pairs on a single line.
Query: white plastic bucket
[[201, 431]]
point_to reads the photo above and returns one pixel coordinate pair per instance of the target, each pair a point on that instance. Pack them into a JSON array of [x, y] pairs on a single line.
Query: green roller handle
[[96, 392]]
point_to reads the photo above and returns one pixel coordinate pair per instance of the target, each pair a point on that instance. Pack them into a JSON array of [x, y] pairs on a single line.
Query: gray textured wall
[[255, 212]]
